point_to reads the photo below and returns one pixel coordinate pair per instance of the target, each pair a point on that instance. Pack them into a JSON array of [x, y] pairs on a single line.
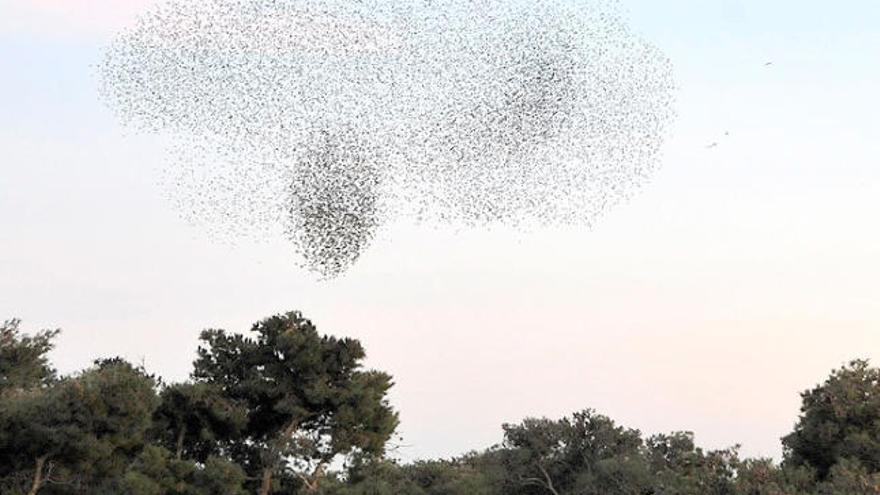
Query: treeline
[[286, 410]]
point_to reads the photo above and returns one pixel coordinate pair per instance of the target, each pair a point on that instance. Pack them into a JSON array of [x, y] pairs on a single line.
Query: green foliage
[[157, 472], [82, 431], [372, 477], [850, 477], [23, 360], [585, 452], [763, 477], [451, 477], [467, 475], [307, 398], [840, 419], [680, 467], [270, 411], [195, 420], [219, 476]]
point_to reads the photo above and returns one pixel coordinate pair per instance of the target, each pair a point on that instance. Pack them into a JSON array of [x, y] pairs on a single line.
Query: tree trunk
[[180, 435], [311, 485], [273, 452], [312, 481], [266, 487], [549, 480], [38, 476]]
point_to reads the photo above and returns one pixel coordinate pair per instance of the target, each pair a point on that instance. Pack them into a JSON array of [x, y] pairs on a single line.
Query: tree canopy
[[285, 410], [840, 419], [23, 359], [306, 398]]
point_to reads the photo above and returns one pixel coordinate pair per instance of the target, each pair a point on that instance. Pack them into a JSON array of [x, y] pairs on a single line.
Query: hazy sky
[[741, 275]]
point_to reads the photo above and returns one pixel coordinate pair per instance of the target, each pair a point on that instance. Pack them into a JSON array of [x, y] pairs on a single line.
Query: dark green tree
[[270, 412], [308, 398], [472, 474], [157, 471], [40, 428], [679, 466], [850, 477], [194, 420], [840, 419], [79, 434], [584, 453], [467, 474], [764, 477], [372, 476], [23, 359]]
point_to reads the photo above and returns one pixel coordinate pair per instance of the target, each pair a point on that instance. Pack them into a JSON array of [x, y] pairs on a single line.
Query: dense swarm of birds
[[324, 119]]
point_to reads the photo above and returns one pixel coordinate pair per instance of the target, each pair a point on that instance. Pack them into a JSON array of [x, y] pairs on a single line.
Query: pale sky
[[737, 278]]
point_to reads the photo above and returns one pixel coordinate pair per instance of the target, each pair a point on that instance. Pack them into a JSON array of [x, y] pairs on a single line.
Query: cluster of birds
[[321, 120]]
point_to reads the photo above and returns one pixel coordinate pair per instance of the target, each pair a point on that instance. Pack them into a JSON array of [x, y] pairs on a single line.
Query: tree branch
[[39, 481], [549, 480]]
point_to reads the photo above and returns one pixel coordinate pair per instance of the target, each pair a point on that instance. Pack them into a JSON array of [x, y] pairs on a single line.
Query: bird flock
[[324, 120]]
